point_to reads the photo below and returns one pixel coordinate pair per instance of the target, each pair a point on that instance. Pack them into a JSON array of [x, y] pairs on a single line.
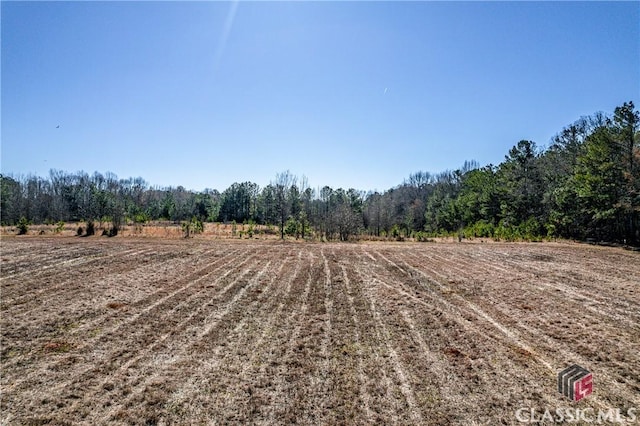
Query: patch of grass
[[95, 332], [67, 327], [9, 353]]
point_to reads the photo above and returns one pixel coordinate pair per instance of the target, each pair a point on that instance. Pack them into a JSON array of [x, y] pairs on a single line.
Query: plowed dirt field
[[148, 331]]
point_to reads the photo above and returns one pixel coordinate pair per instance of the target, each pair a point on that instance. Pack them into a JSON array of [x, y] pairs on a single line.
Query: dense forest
[[584, 185]]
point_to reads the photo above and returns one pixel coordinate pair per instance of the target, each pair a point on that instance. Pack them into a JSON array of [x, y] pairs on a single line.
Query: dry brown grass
[[173, 331], [156, 229]]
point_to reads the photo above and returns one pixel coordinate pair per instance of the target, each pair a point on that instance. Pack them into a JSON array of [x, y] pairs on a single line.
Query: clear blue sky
[[351, 94]]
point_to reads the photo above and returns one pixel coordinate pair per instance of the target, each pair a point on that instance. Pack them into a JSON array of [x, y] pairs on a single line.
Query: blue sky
[[350, 94]]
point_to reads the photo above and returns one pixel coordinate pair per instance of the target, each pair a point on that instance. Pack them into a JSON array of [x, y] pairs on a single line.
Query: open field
[[152, 331]]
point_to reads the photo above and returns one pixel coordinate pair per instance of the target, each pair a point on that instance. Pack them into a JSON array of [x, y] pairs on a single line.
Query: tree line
[[584, 185]]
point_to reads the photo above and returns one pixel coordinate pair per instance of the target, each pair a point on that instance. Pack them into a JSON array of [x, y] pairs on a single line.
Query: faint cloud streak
[[224, 36]]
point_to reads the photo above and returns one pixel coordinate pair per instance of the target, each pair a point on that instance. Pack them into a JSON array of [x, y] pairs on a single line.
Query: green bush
[[422, 237], [194, 226], [291, 227], [23, 225], [59, 227], [531, 230], [396, 233], [480, 229], [251, 228], [506, 232], [141, 218]]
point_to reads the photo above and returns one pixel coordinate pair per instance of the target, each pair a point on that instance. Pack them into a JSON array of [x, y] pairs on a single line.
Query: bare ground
[[150, 331]]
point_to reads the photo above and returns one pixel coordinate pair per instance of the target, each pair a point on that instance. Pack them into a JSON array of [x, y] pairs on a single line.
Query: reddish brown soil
[[151, 331]]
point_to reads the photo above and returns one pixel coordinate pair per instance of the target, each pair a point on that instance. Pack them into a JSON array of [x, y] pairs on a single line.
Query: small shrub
[[422, 237], [141, 218], [530, 229], [291, 227], [59, 227], [197, 225], [507, 232], [398, 232], [91, 228], [395, 232], [80, 231], [23, 226], [194, 226], [480, 229]]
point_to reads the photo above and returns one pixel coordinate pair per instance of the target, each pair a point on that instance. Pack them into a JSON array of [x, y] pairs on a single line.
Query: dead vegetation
[[150, 331]]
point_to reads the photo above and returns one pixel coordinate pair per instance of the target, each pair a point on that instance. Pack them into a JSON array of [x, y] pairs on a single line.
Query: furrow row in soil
[[175, 354], [105, 353]]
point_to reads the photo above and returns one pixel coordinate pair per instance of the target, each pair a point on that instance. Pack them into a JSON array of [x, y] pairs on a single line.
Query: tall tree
[[306, 197], [324, 207], [283, 183], [442, 213], [626, 133], [478, 198], [520, 183], [10, 200], [597, 181]]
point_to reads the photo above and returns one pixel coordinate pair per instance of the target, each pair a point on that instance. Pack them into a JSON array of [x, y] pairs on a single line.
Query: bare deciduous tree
[[283, 183]]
